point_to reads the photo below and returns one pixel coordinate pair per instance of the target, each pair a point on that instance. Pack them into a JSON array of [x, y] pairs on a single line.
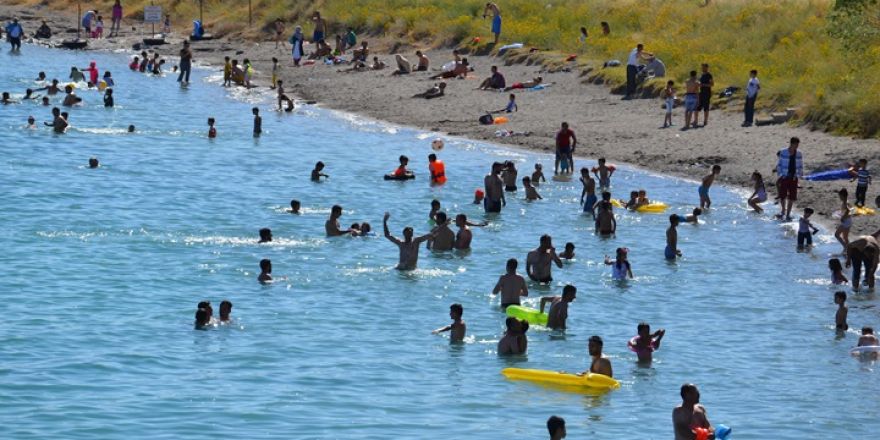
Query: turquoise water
[[103, 269]]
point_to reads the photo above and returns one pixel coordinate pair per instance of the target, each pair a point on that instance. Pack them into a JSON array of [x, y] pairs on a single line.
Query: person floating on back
[[458, 328]]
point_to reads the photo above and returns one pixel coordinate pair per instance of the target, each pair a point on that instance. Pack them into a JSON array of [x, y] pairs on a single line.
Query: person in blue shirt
[[14, 32]]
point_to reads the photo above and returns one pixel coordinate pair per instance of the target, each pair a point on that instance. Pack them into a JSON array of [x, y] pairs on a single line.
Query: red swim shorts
[[788, 188]]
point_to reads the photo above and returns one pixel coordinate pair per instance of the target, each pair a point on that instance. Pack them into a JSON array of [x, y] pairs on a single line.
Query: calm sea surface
[[102, 270]]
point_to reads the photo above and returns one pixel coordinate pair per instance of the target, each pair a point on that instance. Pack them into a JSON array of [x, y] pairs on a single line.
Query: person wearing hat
[[479, 195]]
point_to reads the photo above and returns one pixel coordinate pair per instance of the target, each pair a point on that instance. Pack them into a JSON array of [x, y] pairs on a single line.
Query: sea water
[[102, 270]]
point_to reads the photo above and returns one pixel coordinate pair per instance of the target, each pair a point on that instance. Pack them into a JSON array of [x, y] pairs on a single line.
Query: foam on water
[[103, 269]]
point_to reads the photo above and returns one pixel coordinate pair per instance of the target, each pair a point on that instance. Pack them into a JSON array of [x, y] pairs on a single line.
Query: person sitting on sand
[[361, 54], [435, 91], [443, 238], [424, 62], [458, 328], [408, 247], [526, 85], [44, 31], [377, 64], [493, 82], [558, 312], [514, 340], [322, 49], [459, 71], [70, 99], [511, 285], [403, 65], [237, 73], [331, 226]]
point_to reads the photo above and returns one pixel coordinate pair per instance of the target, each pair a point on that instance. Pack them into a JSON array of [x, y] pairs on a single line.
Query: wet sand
[[606, 126]]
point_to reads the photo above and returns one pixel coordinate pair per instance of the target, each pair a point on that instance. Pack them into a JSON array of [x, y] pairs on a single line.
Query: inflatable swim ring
[[866, 349], [407, 176], [532, 316], [588, 380]]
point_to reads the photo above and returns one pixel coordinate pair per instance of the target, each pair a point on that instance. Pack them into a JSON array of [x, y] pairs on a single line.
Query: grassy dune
[[819, 55]]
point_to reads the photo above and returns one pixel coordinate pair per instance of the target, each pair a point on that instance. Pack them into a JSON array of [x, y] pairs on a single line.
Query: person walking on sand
[[117, 19], [632, 68], [706, 84], [279, 33], [692, 87], [185, 63], [789, 168], [320, 27], [496, 19], [752, 89], [296, 45]]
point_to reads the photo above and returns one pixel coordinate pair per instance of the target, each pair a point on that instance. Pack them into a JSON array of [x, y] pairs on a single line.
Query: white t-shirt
[[753, 87], [633, 59]]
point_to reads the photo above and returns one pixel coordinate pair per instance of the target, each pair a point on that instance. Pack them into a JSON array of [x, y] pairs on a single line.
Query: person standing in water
[[558, 313], [539, 261], [258, 122], [789, 168], [566, 142], [690, 416], [458, 328], [437, 170], [496, 19], [185, 63], [494, 189], [443, 239], [464, 236], [599, 364], [671, 250], [588, 195], [646, 343], [331, 226], [409, 246], [703, 190], [511, 286], [556, 427]]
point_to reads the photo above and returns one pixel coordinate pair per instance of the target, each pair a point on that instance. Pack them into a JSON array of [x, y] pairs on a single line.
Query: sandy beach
[[606, 126]]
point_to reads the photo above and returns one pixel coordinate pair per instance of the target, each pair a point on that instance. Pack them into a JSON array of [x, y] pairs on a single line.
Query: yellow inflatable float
[[588, 380], [651, 208]]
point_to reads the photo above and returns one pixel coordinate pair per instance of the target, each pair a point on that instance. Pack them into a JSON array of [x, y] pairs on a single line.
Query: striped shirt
[[864, 177]]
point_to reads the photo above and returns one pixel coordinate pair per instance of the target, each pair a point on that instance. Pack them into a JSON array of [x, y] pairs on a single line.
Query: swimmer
[[603, 174], [694, 217], [317, 173], [409, 246], [511, 285], [588, 194], [444, 238], [108, 98], [556, 427], [514, 340], [32, 122], [212, 132], [842, 311], [401, 169], [464, 235], [531, 192], [458, 328], [690, 415], [435, 208], [643, 198], [29, 95], [59, 122], [108, 79], [620, 267], [135, 62], [558, 312], [70, 99], [51, 89], [672, 250], [633, 202], [225, 311], [265, 235], [45, 101], [294, 207], [837, 276], [76, 76], [131, 128], [202, 319], [331, 226], [258, 122], [41, 77], [539, 261], [508, 176], [366, 230], [538, 175], [479, 195], [867, 339], [355, 229], [93, 162], [760, 194], [600, 364], [703, 190], [568, 253], [265, 276], [646, 343], [606, 224]]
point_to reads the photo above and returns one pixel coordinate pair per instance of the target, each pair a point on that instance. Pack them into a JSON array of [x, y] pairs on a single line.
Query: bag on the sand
[[487, 119]]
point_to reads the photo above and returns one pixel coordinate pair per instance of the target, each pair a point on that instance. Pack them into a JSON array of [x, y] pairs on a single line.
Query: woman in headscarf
[[296, 43]]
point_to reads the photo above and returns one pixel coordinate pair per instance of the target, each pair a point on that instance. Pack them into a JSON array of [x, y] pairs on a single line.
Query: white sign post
[[153, 15]]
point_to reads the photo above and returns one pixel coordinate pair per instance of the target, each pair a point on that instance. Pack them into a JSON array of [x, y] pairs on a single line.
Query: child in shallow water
[[568, 253], [458, 328], [837, 276], [842, 311], [620, 267]]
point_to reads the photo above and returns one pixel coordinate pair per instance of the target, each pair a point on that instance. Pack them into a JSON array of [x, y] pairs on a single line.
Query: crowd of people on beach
[[596, 198]]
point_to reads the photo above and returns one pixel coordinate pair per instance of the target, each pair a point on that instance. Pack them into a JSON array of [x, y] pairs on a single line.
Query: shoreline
[[624, 132]]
